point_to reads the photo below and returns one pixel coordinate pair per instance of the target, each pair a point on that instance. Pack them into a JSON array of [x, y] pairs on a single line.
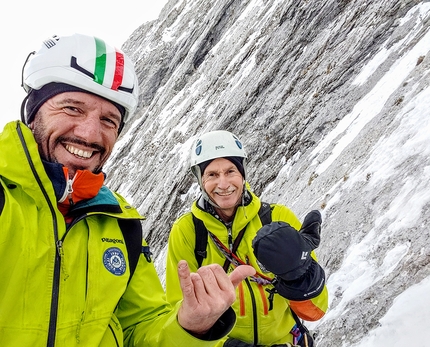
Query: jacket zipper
[[230, 238], [68, 191], [254, 311], [58, 244], [113, 334]]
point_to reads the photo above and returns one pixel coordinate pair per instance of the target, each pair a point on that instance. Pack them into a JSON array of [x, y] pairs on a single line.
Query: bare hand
[[207, 294]]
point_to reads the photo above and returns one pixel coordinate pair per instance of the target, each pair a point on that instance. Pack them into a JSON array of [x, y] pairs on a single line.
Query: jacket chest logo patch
[[114, 261]]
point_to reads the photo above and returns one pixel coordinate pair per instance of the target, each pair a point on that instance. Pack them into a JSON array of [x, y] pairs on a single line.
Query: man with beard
[[67, 242]]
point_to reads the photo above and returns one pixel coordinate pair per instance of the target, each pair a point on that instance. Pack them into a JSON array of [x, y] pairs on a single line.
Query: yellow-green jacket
[[68, 285], [256, 324]]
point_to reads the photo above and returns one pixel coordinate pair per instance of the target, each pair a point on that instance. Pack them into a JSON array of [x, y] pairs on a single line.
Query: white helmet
[[87, 63], [216, 144]]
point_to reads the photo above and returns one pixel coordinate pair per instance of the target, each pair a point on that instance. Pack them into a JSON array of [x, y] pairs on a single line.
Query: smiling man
[[223, 183], [225, 227], [75, 270], [70, 130]]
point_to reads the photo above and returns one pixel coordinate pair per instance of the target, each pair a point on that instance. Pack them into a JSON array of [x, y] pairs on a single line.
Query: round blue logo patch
[[114, 261]]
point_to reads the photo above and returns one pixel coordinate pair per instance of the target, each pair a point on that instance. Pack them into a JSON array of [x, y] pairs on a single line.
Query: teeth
[[224, 194], [79, 152]]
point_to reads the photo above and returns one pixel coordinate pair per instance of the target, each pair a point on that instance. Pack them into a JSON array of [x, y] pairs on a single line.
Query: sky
[[31, 22]]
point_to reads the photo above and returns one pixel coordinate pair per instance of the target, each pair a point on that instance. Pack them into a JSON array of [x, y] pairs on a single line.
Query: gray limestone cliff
[[321, 93]]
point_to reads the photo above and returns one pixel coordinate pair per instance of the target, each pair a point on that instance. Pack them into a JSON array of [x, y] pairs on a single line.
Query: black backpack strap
[[265, 213], [132, 232], [307, 340], [2, 198], [201, 240], [300, 325]]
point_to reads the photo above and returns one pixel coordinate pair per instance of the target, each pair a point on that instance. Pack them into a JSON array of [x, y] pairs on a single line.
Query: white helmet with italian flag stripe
[[87, 63]]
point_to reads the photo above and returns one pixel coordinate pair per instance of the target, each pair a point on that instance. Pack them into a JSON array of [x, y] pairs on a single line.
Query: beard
[[46, 145]]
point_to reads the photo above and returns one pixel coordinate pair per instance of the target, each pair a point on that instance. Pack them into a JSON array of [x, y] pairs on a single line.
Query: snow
[[351, 125], [407, 322]]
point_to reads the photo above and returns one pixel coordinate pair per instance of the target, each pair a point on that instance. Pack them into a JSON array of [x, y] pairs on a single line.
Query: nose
[[88, 128], [223, 181]]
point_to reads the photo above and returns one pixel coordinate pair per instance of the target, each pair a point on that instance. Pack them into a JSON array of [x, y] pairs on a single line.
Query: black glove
[[236, 343], [287, 253]]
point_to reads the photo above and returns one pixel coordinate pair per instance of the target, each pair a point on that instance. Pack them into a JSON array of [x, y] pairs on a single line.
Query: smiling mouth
[[225, 193], [79, 152]]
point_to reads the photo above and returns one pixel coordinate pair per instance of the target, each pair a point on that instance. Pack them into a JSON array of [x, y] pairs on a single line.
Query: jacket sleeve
[[315, 308], [148, 320]]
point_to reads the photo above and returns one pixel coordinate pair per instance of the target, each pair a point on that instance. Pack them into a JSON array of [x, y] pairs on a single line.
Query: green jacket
[[256, 323], [68, 285]]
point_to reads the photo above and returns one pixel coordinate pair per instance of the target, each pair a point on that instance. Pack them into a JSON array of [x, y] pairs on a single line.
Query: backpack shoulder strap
[[265, 213], [201, 240], [2, 198], [132, 231]]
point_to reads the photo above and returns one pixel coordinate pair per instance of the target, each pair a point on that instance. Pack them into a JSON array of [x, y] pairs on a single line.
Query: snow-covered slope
[[332, 100]]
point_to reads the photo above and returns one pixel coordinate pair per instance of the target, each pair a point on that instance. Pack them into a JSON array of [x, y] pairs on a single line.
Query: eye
[[111, 122], [209, 176], [71, 110]]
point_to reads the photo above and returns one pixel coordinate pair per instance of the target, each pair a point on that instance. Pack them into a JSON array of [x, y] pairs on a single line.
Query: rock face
[[326, 96]]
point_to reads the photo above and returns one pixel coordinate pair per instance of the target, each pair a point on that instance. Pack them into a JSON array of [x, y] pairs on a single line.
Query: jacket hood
[[19, 156]]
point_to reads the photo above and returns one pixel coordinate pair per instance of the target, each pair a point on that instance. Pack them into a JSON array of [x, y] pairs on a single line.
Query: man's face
[[223, 183], [77, 130]]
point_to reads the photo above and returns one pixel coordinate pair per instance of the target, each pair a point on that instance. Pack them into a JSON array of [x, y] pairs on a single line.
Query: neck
[[226, 215]]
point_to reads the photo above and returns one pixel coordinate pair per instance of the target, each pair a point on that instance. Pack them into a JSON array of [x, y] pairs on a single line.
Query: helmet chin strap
[[23, 104]]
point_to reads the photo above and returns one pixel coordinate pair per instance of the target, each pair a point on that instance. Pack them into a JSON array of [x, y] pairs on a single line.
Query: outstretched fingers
[[207, 294]]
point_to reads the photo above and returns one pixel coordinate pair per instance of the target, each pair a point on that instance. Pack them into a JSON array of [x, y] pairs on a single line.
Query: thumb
[[240, 273], [311, 228]]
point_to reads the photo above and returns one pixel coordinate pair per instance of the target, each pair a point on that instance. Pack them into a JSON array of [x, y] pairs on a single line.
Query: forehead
[[220, 164], [85, 99]]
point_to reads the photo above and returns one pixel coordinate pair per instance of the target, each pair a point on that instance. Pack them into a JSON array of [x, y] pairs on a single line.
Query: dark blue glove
[[287, 253], [236, 343]]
